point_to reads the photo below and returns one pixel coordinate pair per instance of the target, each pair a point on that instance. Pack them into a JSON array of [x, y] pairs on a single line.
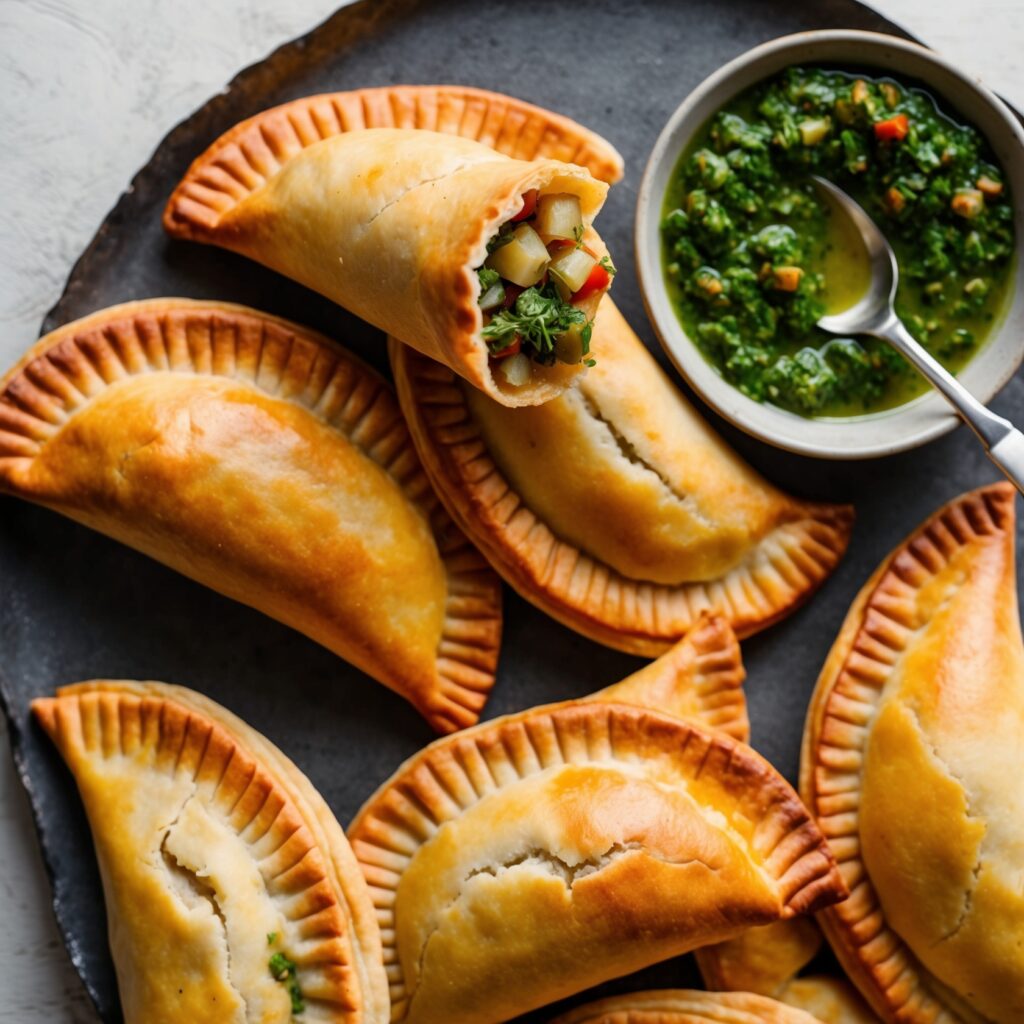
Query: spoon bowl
[[876, 303], [875, 314]]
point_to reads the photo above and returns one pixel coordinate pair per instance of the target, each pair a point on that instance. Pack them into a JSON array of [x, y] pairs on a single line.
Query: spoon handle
[[1003, 442], [1008, 455]]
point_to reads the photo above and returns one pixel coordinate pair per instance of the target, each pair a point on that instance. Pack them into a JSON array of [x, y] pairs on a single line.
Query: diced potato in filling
[[559, 216], [535, 286], [571, 268], [522, 259], [516, 369]]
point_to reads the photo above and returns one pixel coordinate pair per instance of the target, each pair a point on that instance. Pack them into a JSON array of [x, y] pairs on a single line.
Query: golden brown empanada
[[678, 1006], [616, 509], [768, 960], [912, 763], [701, 677], [385, 201], [549, 850], [264, 461], [232, 894], [762, 959], [830, 1000]]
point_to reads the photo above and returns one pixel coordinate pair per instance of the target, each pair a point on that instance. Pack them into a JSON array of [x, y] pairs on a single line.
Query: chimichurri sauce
[[755, 254]]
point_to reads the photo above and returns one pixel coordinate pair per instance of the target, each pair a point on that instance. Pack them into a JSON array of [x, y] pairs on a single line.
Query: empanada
[[768, 960], [550, 850], [678, 1006], [232, 894], [266, 462], [762, 959], [385, 201], [616, 509], [828, 999], [912, 764]]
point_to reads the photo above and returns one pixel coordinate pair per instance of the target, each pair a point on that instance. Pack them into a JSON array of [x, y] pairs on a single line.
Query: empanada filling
[[539, 287]]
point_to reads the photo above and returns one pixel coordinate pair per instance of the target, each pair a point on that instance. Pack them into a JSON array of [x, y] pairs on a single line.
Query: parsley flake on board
[[282, 969], [538, 316]]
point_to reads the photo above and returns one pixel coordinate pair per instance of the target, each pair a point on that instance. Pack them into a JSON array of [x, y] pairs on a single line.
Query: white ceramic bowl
[[875, 434]]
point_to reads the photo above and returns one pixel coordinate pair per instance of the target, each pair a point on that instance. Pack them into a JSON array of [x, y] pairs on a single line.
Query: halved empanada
[[550, 850], [387, 201], [912, 764], [678, 1006], [264, 461], [232, 894], [616, 509]]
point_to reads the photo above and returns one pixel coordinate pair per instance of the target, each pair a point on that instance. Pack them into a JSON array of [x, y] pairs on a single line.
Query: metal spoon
[[875, 314]]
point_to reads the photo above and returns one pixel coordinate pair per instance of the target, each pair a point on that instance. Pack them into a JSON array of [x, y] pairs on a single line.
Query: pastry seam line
[[629, 452], [204, 891], [534, 857]]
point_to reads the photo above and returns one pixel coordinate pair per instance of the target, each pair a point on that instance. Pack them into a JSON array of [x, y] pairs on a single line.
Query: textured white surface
[[89, 87]]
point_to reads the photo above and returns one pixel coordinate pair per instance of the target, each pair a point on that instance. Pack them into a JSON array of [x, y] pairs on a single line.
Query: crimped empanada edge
[[679, 1006], [249, 154], [884, 969], [216, 745], [32, 410], [424, 793], [567, 583], [716, 678]]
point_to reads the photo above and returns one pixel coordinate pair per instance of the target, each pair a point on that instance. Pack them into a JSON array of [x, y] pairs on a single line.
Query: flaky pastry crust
[[247, 156], [215, 853], [768, 961], [265, 461], [546, 851], [384, 201], [911, 764], [615, 508]]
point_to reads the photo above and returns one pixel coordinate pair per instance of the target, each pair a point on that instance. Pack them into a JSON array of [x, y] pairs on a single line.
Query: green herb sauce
[[754, 254]]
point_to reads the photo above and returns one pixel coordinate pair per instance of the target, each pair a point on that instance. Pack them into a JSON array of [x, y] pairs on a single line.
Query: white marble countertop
[[89, 87]]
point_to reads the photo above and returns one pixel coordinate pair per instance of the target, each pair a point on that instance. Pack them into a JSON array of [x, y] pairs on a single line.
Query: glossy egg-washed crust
[[265, 461], [643, 486], [209, 839], [544, 852], [678, 1006], [912, 766], [411, 217]]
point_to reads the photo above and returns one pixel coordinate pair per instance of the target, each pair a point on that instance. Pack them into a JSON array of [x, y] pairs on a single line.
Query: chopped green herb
[[488, 277], [590, 362], [271, 938], [754, 255], [492, 290], [606, 262], [503, 237], [585, 336], [538, 315], [577, 233], [282, 969]]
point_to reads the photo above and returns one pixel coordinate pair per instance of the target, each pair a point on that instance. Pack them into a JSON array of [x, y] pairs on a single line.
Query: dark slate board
[[80, 606]]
